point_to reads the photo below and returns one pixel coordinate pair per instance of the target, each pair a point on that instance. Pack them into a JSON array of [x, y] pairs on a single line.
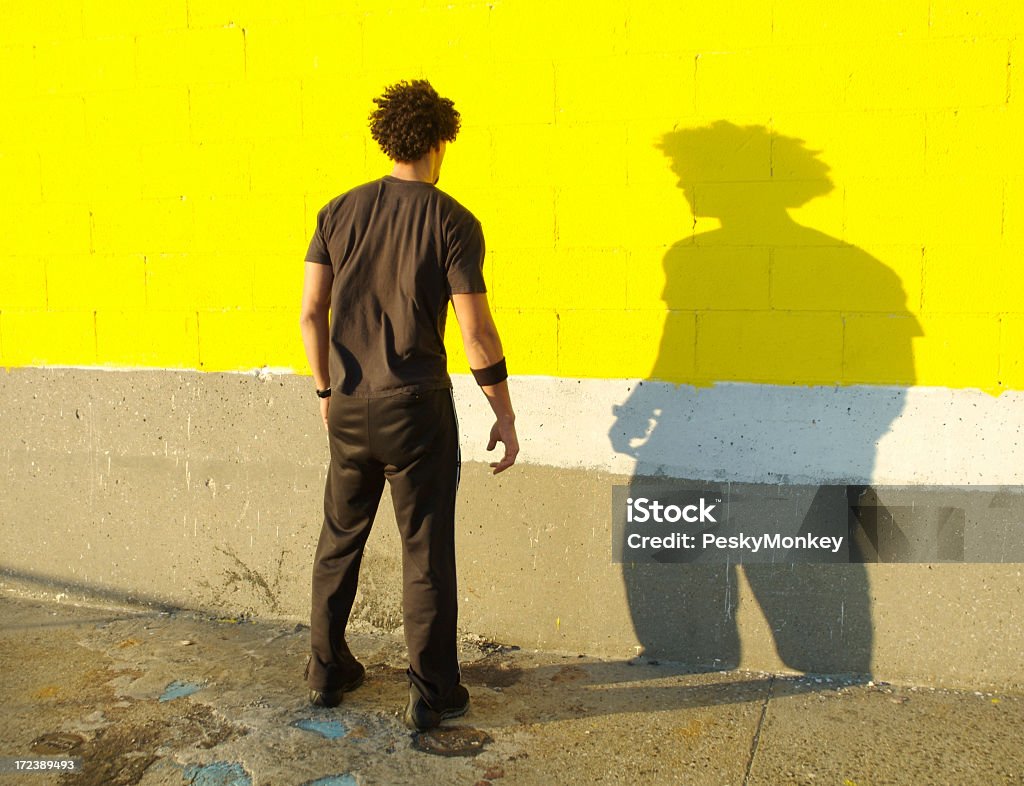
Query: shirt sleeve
[[465, 263], [317, 251]]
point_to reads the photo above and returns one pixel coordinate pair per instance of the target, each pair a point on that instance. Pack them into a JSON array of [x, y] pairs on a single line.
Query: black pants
[[412, 440]]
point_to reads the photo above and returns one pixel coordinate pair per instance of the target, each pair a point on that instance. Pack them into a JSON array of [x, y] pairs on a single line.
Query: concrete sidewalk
[[150, 697]]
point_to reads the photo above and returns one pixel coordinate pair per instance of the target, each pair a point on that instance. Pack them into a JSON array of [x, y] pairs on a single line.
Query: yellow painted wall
[[789, 192]]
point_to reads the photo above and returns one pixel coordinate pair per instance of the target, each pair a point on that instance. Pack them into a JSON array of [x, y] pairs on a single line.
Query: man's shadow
[[763, 299]]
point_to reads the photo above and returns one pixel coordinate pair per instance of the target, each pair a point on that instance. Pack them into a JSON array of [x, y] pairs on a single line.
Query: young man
[[385, 259]]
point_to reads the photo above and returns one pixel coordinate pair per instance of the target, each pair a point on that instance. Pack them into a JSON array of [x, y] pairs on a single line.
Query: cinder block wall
[[798, 225], [162, 165]]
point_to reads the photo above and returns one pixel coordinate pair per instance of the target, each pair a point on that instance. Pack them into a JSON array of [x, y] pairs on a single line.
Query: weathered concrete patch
[[56, 742], [331, 729], [456, 741], [220, 773], [179, 689], [333, 780]]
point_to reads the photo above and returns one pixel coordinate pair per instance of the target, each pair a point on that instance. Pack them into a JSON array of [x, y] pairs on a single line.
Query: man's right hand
[[504, 431]]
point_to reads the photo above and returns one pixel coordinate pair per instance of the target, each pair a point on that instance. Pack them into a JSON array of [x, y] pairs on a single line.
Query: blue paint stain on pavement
[[177, 689], [220, 773], [332, 729], [333, 780]]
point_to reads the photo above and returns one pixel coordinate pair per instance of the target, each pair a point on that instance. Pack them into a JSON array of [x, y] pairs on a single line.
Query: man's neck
[[421, 170]]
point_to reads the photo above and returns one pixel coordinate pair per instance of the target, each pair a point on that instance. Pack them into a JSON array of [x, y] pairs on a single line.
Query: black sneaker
[[332, 697], [420, 716]]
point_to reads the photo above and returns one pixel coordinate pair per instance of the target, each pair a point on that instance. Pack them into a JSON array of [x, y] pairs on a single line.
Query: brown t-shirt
[[398, 249]]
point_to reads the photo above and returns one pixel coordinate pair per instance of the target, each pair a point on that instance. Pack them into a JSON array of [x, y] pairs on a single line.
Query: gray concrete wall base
[[205, 491]]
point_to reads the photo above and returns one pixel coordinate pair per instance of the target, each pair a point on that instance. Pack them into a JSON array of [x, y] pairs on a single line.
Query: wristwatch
[[325, 393]]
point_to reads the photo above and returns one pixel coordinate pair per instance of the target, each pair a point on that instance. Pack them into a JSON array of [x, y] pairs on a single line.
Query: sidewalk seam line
[[757, 731]]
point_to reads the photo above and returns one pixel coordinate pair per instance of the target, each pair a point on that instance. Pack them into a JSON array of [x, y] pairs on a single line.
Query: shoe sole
[[455, 713], [316, 696], [354, 684], [442, 716]]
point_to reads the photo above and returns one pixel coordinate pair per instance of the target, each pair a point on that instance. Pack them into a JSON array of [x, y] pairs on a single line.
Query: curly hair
[[411, 119]]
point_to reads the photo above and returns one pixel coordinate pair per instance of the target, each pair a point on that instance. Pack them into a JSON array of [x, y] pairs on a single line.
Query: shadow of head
[[762, 297], [718, 164]]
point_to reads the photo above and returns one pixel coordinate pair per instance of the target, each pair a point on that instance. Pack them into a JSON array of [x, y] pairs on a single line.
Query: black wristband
[[491, 375], [325, 393]]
